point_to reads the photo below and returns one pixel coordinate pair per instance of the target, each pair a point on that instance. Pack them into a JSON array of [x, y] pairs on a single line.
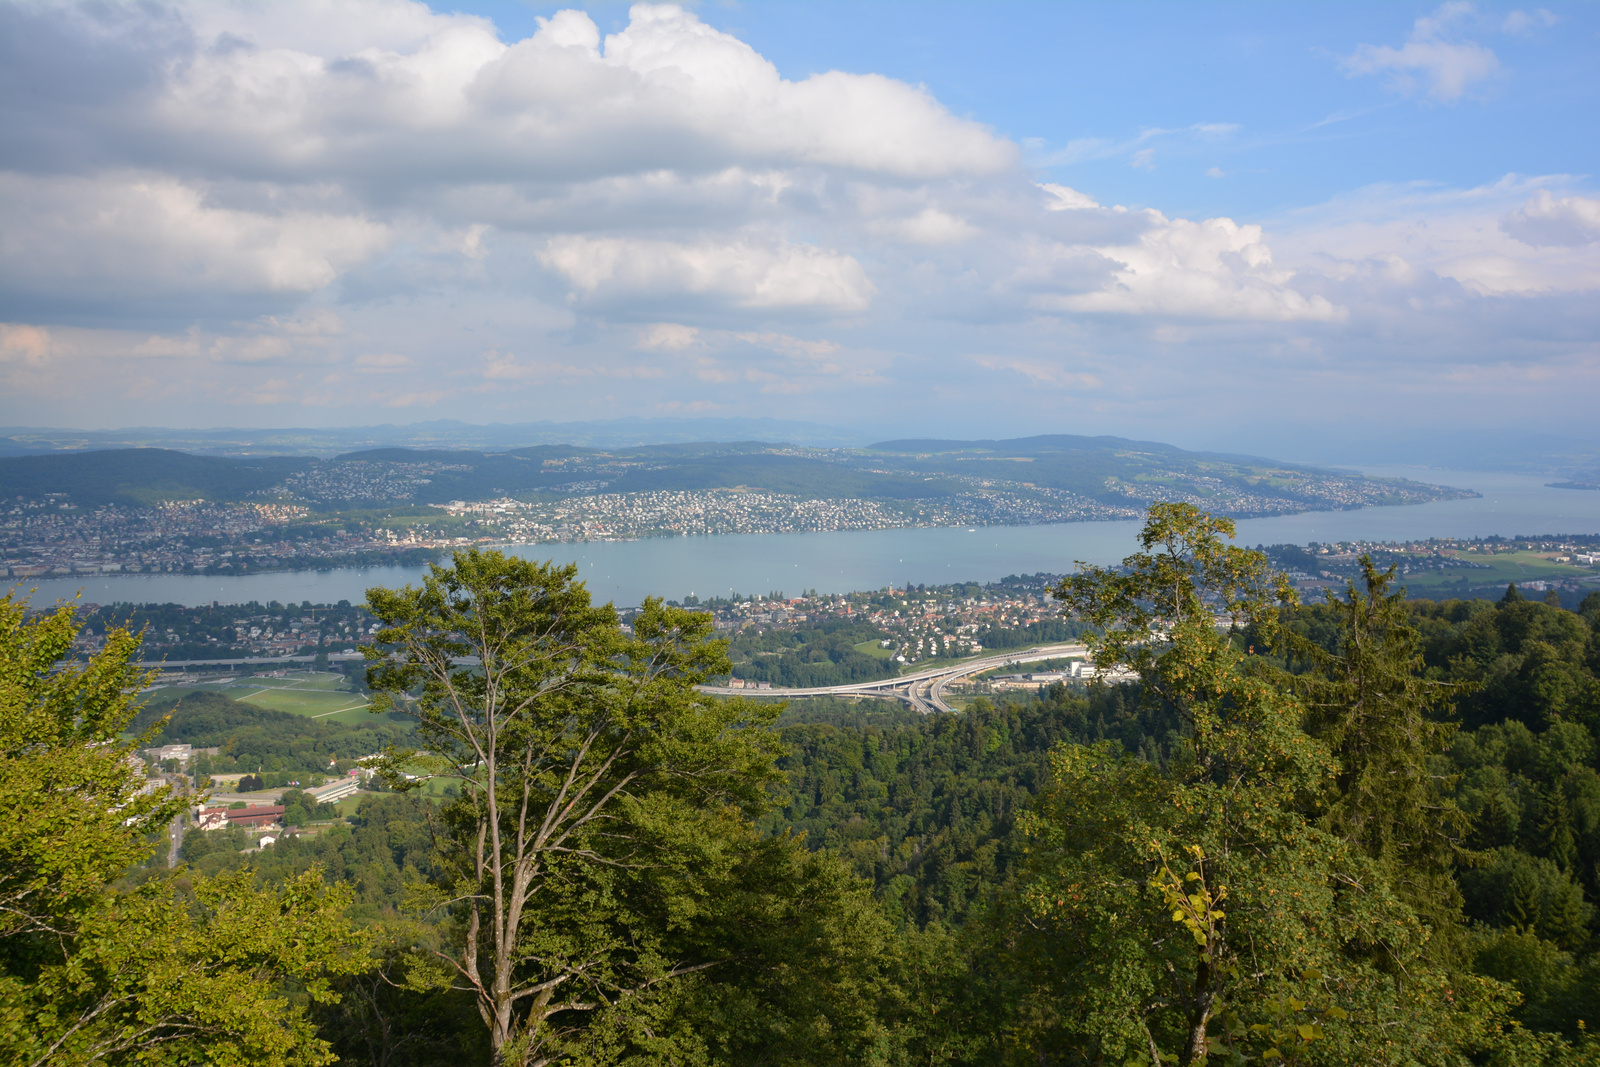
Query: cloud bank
[[312, 212]]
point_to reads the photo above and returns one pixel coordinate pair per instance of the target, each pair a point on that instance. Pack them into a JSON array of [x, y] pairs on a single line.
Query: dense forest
[[1361, 831]]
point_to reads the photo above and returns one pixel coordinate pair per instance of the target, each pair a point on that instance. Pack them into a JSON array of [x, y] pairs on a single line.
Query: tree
[[73, 807], [1555, 841], [175, 970], [1126, 850], [1195, 907], [1384, 724], [601, 797]]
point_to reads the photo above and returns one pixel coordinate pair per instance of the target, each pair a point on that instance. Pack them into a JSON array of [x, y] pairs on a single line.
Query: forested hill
[[1104, 477], [141, 476]]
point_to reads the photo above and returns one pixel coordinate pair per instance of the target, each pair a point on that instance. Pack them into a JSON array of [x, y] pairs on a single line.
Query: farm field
[[1499, 567]]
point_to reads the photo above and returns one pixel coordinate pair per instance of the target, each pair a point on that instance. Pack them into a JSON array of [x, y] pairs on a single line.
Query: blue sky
[[1242, 224]]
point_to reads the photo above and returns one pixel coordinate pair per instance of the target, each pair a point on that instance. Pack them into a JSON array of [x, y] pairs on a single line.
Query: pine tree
[[1521, 909], [1383, 722], [1496, 824], [1565, 916], [1555, 838]]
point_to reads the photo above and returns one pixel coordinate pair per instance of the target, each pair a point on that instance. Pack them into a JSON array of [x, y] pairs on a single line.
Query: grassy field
[[1501, 567], [309, 693], [874, 649]]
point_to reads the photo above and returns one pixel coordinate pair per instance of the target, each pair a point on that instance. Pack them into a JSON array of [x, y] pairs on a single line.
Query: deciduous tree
[[174, 971], [601, 797]]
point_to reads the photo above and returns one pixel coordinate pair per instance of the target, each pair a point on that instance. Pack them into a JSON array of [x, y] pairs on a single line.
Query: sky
[[1247, 224]]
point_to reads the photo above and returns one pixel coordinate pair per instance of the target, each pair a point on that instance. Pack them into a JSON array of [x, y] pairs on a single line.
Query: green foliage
[[816, 656], [1528, 659], [1275, 845], [73, 813], [601, 796], [1221, 842], [1381, 720], [158, 976], [301, 808], [844, 712], [808, 974], [1050, 631], [385, 849], [255, 739], [1528, 894], [171, 971], [925, 808]]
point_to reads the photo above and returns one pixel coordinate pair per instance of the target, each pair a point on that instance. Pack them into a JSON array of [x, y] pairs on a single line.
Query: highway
[[924, 690]]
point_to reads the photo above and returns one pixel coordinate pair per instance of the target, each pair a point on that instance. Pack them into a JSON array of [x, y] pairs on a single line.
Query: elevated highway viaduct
[[923, 690]]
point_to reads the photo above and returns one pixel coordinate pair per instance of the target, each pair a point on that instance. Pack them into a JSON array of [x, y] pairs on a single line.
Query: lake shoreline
[[625, 571]]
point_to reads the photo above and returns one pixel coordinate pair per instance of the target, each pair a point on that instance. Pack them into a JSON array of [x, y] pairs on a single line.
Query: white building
[[335, 791]]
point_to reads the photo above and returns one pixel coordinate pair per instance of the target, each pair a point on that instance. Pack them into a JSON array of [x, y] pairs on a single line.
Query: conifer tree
[[1523, 905], [1384, 723], [1555, 840], [1496, 824]]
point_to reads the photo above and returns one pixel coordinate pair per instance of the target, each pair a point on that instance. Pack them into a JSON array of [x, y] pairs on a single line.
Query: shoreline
[[419, 556]]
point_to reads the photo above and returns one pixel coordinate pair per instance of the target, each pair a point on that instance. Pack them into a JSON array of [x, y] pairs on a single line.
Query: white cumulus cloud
[[1443, 68], [1545, 220], [342, 203], [750, 273], [139, 232], [1211, 269]]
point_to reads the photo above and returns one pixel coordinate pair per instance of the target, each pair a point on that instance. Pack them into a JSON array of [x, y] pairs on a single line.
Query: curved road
[[924, 690]]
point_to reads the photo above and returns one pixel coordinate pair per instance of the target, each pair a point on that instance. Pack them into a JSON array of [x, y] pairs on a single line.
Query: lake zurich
[[627, 571]]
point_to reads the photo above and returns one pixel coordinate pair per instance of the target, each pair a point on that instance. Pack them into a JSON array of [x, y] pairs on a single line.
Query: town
[[52, 537]]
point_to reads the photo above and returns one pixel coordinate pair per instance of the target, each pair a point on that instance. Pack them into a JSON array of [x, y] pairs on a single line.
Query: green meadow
[[314, 695], [1500, 567]]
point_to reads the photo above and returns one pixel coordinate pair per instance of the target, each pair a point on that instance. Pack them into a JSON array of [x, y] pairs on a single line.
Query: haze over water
[[627, 571]]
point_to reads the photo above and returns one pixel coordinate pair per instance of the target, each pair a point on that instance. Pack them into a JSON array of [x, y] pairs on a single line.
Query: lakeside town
[[52, 537], [901, 627]]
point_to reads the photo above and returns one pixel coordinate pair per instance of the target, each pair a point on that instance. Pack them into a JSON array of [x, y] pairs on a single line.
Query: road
[[174, 840], [924, 690]]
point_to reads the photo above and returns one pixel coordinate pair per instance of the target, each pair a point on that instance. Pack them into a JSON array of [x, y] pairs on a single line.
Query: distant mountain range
[[1486, 449], [443, 433], [1056, 475]]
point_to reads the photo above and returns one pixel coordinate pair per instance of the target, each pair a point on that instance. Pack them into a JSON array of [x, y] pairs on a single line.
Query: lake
[[627, 571]]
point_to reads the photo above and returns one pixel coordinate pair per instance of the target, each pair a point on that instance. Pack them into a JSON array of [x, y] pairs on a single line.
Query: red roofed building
[[265, 815]]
